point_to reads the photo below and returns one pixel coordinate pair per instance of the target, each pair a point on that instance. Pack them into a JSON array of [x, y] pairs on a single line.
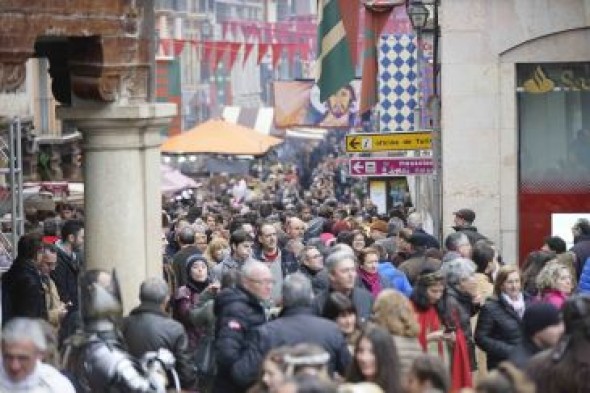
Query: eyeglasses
[[314, 256]]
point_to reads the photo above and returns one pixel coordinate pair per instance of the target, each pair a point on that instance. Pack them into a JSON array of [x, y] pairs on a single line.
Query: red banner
[[178, 47]]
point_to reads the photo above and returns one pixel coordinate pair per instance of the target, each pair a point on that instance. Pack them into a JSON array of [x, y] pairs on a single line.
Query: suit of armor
[[95, 360]]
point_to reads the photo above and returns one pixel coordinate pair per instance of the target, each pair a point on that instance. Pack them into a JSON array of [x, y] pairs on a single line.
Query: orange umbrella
[[220, 137]]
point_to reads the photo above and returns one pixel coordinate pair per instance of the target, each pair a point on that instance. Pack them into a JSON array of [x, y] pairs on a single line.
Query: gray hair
[[303, 253], [458, 269], [24, 329], [415, 220], [297, 291], [341, 247], [186, 235], [251, 267], [337, 257], [455, 240], [153, 290]]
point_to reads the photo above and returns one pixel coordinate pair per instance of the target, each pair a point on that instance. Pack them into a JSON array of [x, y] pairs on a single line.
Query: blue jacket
[[397, 278], [584, 284]]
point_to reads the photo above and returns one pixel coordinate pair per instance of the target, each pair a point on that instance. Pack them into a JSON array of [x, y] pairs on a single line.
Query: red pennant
[[247, 50], [277, 50], [166, 46], [234, 48], [262, 49], [304, 51], [233, 27], [178, 47], [207, 49], [220, 49]]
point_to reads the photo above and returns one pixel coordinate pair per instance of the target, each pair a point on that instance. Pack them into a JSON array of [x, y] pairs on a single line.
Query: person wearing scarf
[[368, 274], [499, 325], [440, 330], [190, 298]]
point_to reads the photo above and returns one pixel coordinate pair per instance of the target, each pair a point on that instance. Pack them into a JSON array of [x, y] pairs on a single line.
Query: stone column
[[122, 189]]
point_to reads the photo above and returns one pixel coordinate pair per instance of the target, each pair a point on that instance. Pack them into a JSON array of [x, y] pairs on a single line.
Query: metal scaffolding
[[12, 217]]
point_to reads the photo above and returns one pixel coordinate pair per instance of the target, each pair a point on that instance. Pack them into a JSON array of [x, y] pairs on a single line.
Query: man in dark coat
[[185, 237], [418, 261], [341, 268], [581, 248], [22, 288], [148, 328], [311, 265], [238, 310], [464, 223], [296, 324], [542, 328], [66, 274]]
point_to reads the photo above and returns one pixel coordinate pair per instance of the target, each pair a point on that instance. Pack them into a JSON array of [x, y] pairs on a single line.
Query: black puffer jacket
[[148, 329], [498, 331], [237, 313], [295, 325]]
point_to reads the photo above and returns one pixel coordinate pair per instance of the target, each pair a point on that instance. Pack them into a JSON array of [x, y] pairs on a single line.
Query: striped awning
[[261, 119]]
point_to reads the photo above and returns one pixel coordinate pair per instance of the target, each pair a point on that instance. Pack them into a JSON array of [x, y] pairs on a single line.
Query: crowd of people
[[270, 287]]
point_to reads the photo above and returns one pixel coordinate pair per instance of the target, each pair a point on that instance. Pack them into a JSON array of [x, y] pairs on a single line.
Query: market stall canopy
[[220, 137], [173, 181]]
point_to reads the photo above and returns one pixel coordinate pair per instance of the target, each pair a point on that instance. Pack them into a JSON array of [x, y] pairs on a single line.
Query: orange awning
[[220, 137]]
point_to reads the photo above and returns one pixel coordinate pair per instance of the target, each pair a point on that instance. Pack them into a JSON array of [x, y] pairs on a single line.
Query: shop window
[[554, 146]]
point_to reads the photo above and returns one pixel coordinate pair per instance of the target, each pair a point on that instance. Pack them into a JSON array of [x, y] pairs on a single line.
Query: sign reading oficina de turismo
[[390, 166], [396, 141]]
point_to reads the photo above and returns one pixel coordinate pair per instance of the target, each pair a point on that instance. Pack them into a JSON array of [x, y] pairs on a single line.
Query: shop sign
[[391, 166], [366, 143]]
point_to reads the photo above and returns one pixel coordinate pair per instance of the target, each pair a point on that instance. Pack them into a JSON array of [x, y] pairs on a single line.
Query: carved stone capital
[[12, 76]]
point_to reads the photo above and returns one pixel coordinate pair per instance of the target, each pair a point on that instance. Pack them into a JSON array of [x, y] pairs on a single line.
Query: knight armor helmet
[[101, 304]]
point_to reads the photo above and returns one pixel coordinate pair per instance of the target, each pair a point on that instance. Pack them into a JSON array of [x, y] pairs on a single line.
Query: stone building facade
[[515, 119]]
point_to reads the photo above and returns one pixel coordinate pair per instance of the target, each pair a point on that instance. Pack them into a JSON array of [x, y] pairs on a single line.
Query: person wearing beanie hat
[[566, 367], [542, 329]]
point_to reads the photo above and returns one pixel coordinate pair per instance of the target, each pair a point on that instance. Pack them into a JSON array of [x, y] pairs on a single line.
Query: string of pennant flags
[[293, 37], [215, 51]]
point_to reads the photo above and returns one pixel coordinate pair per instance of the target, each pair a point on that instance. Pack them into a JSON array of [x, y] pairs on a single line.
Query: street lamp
[[418, 14]]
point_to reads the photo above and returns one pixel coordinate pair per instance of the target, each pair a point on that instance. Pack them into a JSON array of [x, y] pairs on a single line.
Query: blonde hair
[[394, 312], [215, 245], [548, 276]]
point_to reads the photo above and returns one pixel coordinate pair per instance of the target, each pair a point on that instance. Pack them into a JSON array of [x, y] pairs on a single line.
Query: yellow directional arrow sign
[[360, 143]]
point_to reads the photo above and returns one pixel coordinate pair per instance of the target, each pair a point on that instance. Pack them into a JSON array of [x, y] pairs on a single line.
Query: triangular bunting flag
[[277, 50], [178, 47], [247, 51], [220, 49], [262, 49], [233, 49]]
